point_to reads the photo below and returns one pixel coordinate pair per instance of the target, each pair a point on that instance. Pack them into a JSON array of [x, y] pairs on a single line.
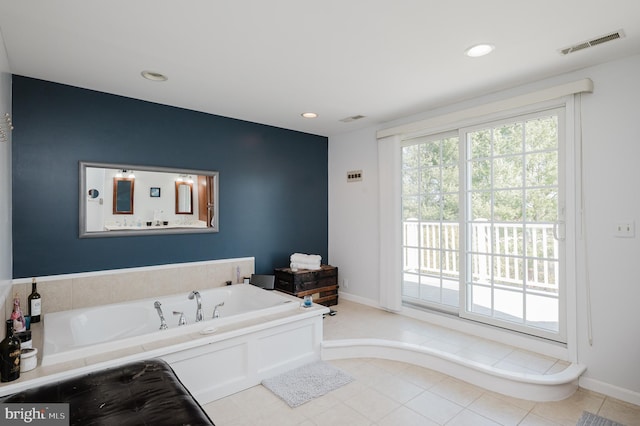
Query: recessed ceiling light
[[309, 115], [153, 76], [479, 50]]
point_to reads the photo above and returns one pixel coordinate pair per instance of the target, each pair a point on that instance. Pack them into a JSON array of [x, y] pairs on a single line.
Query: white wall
[[5, 172], [611, 135], [353, 212]]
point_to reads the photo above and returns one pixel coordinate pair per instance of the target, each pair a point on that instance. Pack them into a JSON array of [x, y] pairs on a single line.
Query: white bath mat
[[589, 419], [305, 383]]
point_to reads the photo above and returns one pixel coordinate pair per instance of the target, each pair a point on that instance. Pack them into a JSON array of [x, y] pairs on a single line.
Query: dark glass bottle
[[10, 355], [35, 303]]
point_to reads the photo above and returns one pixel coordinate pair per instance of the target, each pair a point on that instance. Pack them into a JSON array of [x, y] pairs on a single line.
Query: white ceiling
[[269, 61]]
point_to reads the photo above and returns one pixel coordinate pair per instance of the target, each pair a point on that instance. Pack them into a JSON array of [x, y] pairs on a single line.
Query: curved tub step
[[533, 387]]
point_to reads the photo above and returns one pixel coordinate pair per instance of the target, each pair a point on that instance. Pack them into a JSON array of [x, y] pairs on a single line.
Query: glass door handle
[[556, 234]]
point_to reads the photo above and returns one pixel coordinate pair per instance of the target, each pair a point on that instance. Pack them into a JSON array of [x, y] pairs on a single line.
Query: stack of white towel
[[305, 261]]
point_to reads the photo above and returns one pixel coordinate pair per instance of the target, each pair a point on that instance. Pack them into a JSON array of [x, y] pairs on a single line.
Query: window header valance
[[580, 86]]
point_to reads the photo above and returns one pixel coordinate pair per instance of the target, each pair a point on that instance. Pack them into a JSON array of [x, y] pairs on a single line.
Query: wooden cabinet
[[321, 284]]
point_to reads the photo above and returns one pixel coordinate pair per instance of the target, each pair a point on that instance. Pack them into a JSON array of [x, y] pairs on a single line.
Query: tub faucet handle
[[163, 323], [196, 294], [216, 312], [182, 320]]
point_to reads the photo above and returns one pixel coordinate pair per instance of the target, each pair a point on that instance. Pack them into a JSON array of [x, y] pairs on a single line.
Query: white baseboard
[[358, 299], [613, 391]]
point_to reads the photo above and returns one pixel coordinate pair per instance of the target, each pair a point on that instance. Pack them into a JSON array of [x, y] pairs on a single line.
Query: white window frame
[[389, 168], [563, 171]]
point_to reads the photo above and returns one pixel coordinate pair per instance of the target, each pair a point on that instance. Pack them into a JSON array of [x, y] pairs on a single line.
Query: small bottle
[[10, 355], [16, 316], [35, 302]]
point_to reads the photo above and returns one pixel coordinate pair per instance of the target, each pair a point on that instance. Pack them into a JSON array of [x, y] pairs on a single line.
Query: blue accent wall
[[273, 181]]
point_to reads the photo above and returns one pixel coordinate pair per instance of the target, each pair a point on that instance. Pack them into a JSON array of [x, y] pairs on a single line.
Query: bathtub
[[80, 333], [259, 334]]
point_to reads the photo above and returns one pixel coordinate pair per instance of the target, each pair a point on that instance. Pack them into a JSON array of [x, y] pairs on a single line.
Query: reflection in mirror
[[107, 209], [123, 195], [184, 197]]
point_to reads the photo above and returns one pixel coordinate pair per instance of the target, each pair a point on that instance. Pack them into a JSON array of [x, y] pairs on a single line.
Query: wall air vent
[[352, 118], [594, 42]]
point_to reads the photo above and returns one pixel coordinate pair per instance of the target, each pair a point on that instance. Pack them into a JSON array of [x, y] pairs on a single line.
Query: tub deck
[[239, 335]]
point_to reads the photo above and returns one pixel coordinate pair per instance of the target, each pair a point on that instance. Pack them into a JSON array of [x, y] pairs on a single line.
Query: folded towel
[[306, 258], [310, 266]]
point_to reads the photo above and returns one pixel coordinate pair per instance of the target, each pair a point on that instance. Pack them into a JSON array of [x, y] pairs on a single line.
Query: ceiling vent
[[594, 42], [352, 118]]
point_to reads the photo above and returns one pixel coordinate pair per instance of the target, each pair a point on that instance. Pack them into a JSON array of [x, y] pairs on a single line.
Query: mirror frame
[[116, 182], [178, 185], [83, 191]]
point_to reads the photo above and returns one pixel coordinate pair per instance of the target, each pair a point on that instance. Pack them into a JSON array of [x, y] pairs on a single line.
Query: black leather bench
[[134, 394]]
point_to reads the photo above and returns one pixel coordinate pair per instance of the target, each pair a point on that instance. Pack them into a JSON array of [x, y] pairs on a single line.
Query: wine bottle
[[10, 355], [19, 323], [35, 302]]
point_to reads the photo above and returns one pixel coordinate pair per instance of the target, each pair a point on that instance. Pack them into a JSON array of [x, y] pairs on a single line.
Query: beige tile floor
[[386, 393]]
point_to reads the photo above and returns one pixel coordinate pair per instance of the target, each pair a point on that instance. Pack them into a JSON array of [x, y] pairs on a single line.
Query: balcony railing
[[507, 253]]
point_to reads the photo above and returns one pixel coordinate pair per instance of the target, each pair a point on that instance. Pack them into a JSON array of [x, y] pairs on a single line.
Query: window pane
[[410, 285], [542, 169], [541, 242], [450, 207], [508, 139], [430, 261], [411, 157], [508, 239], [410, 208], [430, 208], [543, 312], [480, 174], [430, 288], [542, 276], [480, 143], [411, 260], [512, 195], [450, 151], [450, 292], [411, 234], [450, 179], [481, 266], [542, 205], [508, 305], [433, 189], [430, 154], [542, 134], [480, 206], [430, 235], [479, 300], [430, 181], [411, 182], [508, 271], [507, 172], [507, 206]]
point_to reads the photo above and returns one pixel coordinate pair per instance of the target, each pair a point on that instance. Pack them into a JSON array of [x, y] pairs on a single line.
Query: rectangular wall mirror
[[125, 199]]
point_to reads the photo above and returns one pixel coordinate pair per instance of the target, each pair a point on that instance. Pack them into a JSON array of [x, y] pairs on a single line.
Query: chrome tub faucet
[[182, 320], [196, 294], [216, 312], [163, 323]]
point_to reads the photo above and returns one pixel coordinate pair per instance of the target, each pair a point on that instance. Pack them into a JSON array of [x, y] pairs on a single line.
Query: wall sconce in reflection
[[127, 173]]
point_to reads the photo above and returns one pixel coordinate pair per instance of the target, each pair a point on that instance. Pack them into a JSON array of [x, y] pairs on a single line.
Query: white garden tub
[[80, 333], [259, 334]]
